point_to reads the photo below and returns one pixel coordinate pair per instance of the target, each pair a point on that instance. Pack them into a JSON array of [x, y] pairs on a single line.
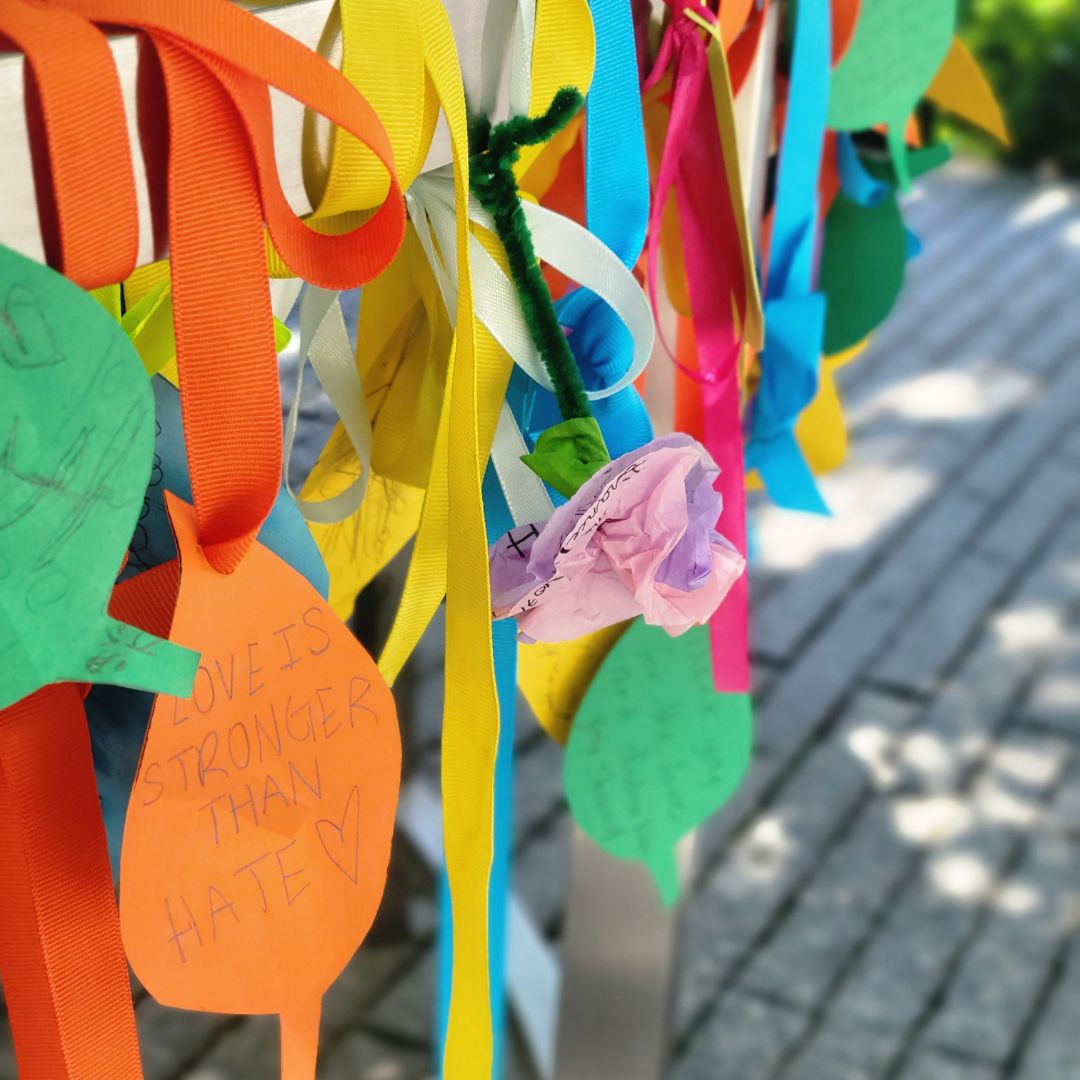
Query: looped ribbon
[[324, 342], [794, 311], [60, 945], [699, 162], [558, 241], [222, 184]]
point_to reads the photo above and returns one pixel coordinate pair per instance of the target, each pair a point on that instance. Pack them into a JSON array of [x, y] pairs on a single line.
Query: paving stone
[[247, 1047], [1024, 246], [842, 1050], [931, 918], [998, 982], [1053, 1051], [938, 631], [834, 911], [744, 1039], [8, 1069], [832, 914], [1024, 632], [1064, 816], [875, 499], [538, 785], [767, 863], [936, 279], [407, 1010], [171, 1040], [368, 975], [931, 1065], [541, 873], [363, 1056], [819, 678], [1055, 699]]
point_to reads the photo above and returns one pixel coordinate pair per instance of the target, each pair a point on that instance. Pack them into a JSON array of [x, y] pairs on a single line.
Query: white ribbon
[[559, 241], [527, 498], [324, 340], [568, 247]]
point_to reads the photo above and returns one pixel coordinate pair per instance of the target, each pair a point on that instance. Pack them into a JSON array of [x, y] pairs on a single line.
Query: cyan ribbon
[[859, 185], [794, 312], [617, 212], [855, 181], [504, 640]]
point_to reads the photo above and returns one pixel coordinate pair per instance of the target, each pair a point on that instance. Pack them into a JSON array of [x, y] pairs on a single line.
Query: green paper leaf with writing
[[654, 749], [895, 52], [76, 447], [863, 258]]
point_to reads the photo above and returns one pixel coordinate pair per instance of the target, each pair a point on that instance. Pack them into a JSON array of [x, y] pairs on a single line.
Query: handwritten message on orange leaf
[[258, 833]]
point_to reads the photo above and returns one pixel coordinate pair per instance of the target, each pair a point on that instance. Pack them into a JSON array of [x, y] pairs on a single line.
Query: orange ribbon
[[64, 972]]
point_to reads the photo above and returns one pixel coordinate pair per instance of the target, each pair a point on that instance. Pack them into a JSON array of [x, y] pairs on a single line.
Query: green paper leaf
[[895, 52], [76, 447], [654, 749], [568, 453], [920, 161], [863, 258]]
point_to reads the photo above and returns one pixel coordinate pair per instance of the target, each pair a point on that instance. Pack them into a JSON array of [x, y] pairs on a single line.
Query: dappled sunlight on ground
[[895, 894]]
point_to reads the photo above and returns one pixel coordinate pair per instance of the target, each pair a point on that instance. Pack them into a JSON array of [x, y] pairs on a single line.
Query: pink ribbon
[[693, 163]]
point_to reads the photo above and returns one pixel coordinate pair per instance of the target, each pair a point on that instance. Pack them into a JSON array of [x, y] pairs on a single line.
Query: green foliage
[[1030, 51]]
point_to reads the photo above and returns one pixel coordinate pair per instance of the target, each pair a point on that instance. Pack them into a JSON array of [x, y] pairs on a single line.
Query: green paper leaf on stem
[[895, 52], [568, 453], [863, 258], [76, 448], [654, 749]]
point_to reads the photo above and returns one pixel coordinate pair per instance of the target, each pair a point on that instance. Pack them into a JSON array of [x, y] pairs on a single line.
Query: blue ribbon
[[794, 312], [617, 212], [855, 181]]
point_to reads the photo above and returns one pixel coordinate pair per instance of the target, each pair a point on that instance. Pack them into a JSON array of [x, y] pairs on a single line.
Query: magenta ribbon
[[693, 163]]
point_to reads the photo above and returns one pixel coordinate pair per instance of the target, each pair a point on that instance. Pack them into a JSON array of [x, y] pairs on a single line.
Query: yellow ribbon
[[433, 424]]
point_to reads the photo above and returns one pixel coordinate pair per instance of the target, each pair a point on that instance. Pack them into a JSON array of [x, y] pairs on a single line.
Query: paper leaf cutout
[[863, 259], [654, 749], [76, 442], [896, 50], [258, 834], [118, 717], [960, 87], [555, 675]]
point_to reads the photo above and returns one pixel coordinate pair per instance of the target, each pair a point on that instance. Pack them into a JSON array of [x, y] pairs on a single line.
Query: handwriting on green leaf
[[654, 749], [895, 52], [76, 444]]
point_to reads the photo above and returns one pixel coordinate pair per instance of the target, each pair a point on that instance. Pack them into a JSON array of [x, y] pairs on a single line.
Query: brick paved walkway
[[894, 893]]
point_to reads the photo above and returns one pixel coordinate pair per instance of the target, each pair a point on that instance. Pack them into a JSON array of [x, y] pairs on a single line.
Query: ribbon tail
[[786, 475]]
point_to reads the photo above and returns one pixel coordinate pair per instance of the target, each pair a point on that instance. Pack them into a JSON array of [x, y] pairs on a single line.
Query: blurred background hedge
[[1030, 51]]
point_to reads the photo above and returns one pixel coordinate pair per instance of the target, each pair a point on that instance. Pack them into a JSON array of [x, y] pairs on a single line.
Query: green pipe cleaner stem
[[495, 151]]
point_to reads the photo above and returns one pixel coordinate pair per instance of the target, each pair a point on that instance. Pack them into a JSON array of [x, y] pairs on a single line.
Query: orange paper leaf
[[258, 834]]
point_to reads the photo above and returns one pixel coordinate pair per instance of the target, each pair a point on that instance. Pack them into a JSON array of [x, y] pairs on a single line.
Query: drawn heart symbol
[[349, 819]]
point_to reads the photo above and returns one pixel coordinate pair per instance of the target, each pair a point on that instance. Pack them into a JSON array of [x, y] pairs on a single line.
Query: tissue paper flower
[[638, 538]]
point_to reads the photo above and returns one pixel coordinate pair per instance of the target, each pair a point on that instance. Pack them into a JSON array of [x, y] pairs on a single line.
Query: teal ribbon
[[794, 311], [617, 212]]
